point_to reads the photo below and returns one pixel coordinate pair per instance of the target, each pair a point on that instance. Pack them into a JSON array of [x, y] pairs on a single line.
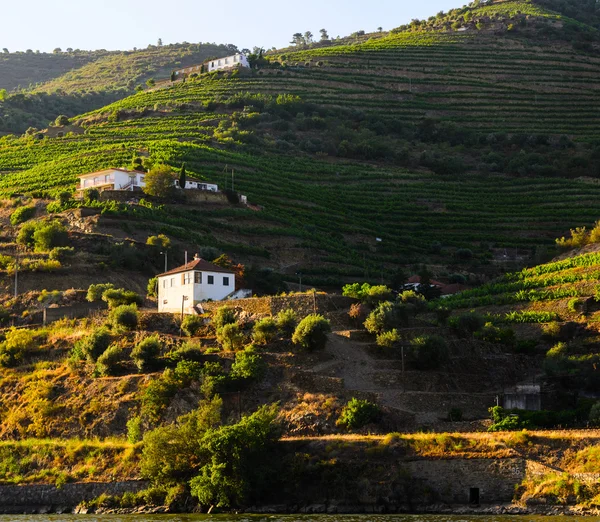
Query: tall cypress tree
[[182, 177]]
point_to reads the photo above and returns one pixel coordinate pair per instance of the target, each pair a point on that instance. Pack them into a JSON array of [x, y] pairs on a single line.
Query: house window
[[107, 178], [198, 278], [219, 62], [225, 281], [187, 278], [85, 182], [211, 280], [172, 282], [164, 283], [212, 64], [96, 181]]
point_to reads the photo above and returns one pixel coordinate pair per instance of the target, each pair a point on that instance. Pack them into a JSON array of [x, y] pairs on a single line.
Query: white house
[[123, 179], [229, 62], [182, 288]]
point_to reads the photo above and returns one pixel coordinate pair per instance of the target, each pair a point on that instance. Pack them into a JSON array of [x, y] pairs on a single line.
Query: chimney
[[196, 257]]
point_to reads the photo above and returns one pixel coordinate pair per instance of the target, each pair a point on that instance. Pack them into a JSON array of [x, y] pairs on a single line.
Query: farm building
[[183, 288], [132, 180], [218, 64]]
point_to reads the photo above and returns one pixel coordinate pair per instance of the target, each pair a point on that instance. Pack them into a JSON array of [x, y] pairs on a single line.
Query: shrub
[[222, 316], [428, 351], [134, 429], [90, 195], [187, 371], [21, 215], [189, 351], [286, 321], [386, 317], [230, 336], [248, 365], [576, 305], [442, 313], [124, 316], [551, 331], [109, 363], [146, 352], [94, 345], [558, 350], [191, 324], [61, 120], [371, 295], [358, 313], [161, 241], [311, 332], [467, 323], [264, 330], [152, 288], [95, 292], [48, 235], [497, 335], [358, 413], [594, 416], [25, 235], [388, 339], [61, 253], [118, 297], [15, 346]]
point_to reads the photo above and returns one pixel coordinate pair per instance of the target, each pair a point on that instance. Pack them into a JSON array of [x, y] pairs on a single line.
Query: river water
[[292, 518]]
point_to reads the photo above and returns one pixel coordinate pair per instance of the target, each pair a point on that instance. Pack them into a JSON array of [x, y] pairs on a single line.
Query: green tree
[[311, 332], [358, 413], [146, 352], [324, 35], [150, 82], [3, 95], [61, 120], [159, 181], [161, 241], [182, 177]]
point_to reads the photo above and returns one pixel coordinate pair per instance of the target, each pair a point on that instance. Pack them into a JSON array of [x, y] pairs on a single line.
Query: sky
[[124, 24]]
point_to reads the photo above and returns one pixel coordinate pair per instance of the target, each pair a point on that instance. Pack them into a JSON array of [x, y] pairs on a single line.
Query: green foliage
[[134, 429], [286, 321], [115, 297], [94, 345], [240, 460], [96, 291], [368, 294], [124, 316], [191, 324], [159, 181], [388, 339], [467, 323], [264, 330], [22, 214], [311, 332], [160, 241], [358, 413], [188, 351], [222, 316], [513, 420], [594, 417], [61, 120], [428, 351], [61, 253], [248, 365], [42, 235], [16, 345], [146, 352], [386, 316], [230, 336], [496, 334], [558, 350], [152, 287], [110, 362]]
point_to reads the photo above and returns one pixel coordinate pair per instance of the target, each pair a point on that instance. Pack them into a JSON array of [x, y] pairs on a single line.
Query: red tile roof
[[199, 265]]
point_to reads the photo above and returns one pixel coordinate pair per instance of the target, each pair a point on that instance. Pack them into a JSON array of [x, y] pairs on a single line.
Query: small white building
[[123, 179], [186, 286], [219, 64]]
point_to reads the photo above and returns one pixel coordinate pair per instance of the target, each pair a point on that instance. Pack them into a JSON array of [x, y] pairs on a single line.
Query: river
[[293, 518]]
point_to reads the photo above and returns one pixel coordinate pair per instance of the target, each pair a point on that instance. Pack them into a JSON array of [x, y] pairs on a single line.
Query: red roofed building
[[181, 289]]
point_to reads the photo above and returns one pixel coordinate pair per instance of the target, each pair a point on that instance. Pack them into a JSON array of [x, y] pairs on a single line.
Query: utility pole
[[184, 298], [17, 272], [165, 254]]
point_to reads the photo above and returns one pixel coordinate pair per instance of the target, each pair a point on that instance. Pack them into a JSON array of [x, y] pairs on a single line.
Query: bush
[[61, 120], [248, 365], [358, 413], [230, 337], [124, 316], [428, 351], [189, 351], [95, 292], [222, 316], [594, 416], [109, 363], [48, 235], [118, 297], [388, 339], [191, 324], [146, 352], [94, 345], [152, 288], [386, 316], [467, 323], [311, 332], [496, 335], [371, 295], [61, 253], [187, 371], [161, 241], [90, 195], [286, 321], [442, 313], [15, 346], [558, 350], [576, 305], [134, 429], [21, 215], [264, 330]]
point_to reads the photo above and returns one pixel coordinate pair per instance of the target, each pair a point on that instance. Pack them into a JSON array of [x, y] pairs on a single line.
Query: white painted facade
[[191, 284], [199, 185], [113, 179], [236, 60]]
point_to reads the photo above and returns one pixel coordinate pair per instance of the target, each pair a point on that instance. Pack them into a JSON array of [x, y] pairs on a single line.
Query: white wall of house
[[228, 62], [196, 286], [200, 185], [112, 178]]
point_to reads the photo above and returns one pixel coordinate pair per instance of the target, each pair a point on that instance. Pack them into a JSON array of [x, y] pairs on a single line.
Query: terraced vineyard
[[322, 213]]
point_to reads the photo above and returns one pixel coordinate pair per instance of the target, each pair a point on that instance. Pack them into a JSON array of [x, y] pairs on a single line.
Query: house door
[[474, 496]]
